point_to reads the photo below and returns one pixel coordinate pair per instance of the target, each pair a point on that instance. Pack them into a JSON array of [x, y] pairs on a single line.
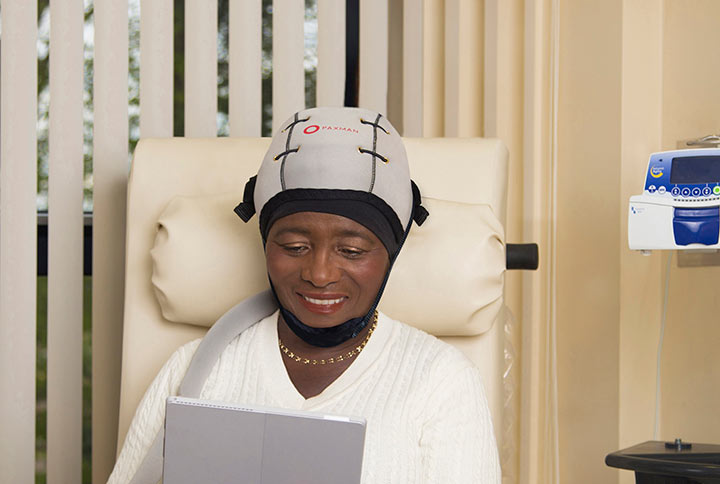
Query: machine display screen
[[695, 169]]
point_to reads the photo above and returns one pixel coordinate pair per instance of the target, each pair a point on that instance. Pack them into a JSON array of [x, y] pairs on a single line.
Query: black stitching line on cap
[[287, 151], [375, 123], [373, 152]]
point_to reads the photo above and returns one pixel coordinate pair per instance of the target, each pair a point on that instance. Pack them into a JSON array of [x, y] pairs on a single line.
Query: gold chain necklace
[[345, 356]]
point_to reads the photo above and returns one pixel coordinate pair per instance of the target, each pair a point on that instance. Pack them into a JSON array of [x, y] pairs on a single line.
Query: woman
[[335, 203]]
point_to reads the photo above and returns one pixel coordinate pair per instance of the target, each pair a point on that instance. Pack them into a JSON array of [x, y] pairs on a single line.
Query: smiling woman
[[335, 207], [326, 269]]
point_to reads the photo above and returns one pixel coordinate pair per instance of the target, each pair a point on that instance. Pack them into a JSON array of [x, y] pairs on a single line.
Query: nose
[[320, 270]]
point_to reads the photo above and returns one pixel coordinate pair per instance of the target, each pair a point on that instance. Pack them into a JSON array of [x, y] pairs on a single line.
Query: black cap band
[[362, 207]]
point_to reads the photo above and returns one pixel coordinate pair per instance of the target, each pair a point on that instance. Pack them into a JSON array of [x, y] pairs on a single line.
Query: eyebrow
[[354, 233], [292, 230], [306, 232]]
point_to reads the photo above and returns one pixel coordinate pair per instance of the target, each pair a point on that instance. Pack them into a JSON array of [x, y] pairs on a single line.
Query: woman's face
[[326, 269]]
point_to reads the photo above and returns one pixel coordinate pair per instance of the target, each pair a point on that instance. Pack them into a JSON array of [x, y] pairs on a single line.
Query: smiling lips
[[326, 304]]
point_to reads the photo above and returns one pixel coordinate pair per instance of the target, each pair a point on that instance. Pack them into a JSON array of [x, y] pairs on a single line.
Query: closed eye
[[351, 252], [295, 249]]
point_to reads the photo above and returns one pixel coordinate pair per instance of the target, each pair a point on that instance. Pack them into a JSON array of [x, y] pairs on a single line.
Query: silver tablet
[[212, 442]]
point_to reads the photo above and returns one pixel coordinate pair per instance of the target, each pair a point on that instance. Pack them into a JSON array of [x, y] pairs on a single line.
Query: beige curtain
[[491, 68]]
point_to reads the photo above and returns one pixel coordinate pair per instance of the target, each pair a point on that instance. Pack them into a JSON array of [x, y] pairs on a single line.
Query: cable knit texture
[[427, 415]]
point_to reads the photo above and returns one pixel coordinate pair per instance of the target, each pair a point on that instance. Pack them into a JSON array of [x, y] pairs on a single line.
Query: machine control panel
[[679, 207], [684, 175]]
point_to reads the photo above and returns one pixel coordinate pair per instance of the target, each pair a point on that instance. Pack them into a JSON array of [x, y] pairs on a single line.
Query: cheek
[[372, 274], [278, 267]]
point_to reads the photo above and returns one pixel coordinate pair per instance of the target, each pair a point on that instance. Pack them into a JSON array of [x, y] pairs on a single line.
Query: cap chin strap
[[324, 337]]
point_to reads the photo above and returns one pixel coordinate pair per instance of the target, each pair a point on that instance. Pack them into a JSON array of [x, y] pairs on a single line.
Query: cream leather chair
[[190, 258]]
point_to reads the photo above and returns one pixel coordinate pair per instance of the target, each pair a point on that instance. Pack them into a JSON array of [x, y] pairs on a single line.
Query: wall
[[588, 266], [640, 282], [634, 77], [669, 95], [691, 108]]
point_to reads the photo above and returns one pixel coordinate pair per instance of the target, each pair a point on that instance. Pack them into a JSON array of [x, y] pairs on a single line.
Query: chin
[[316, 320], [319, 319]]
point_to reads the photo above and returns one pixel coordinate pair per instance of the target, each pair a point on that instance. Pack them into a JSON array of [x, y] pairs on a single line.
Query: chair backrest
[[189, 258]]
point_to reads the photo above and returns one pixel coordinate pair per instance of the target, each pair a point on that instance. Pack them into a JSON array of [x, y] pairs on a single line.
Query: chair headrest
[[205, 261]]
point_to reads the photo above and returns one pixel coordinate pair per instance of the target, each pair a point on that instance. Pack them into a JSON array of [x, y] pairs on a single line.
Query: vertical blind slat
[[471, 78], [433, 68], [18, 229], [373, 55], [331, 53], [245, 62], [452, 66], [463, 68], [493, 66], [201, 69], [413, 68], [394, 94], [65, 231], [156, 68], [110, 167], [288, 55]]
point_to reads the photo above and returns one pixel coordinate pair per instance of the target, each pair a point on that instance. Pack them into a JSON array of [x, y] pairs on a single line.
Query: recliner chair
[[189, 258]]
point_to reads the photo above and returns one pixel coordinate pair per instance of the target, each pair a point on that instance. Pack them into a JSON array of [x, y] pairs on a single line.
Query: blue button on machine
[[696, 225]]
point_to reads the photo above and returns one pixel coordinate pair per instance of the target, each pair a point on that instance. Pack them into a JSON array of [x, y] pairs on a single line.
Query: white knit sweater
[[427, 416]]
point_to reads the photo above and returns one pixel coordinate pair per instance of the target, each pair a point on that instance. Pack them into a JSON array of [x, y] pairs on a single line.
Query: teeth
[[323, 301]]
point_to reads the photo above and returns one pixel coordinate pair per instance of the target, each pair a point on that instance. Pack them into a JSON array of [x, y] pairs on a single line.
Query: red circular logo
[[313, 128]]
